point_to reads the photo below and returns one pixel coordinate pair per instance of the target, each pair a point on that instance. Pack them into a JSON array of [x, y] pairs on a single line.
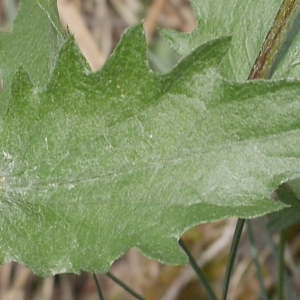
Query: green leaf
[[288, 193], [50, 9], [248, 21], [99, 163], [33, 43]]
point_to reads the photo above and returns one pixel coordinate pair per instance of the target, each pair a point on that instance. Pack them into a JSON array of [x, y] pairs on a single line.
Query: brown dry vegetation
[[97, 26]]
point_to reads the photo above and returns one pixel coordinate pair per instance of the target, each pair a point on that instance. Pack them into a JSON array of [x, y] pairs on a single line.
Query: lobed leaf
[[247, 21], [33, 43], [99, 163]]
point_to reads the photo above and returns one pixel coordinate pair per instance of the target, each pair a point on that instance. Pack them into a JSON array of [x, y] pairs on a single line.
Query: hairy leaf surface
[[33, 43], [99, 163]]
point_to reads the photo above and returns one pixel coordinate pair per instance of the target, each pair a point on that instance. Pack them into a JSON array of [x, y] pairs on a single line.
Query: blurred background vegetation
[[97, 26]]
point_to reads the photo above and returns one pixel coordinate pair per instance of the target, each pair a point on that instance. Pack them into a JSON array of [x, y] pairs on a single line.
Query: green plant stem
[[232, 255], [98, 287], [198, 271], [275, 38], [263, 291], [287, 286], [281, 267], [124, 286]]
